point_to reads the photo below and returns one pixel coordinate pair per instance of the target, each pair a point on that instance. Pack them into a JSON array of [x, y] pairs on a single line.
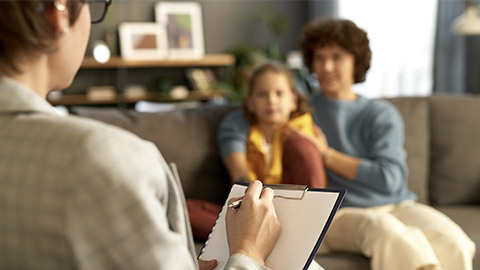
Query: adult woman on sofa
[[78, 194], [361, 142]]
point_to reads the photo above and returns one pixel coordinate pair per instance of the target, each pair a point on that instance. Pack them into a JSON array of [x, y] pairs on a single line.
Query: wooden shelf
[[118, 62], [118, 99]]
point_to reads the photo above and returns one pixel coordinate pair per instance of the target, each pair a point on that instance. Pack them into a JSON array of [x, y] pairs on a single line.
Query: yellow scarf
[[256, 156]]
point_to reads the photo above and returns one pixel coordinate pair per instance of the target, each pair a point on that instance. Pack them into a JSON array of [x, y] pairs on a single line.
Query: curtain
[[321, 9], [457, 60]]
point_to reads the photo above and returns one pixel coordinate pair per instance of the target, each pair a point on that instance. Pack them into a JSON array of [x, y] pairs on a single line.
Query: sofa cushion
[[194, 130], [415, 113], [455, 154], [468, 218]]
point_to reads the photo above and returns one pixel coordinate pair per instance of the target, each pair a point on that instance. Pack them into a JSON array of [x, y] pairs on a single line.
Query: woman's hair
[[343, 33], [275, 67], [25, 30]]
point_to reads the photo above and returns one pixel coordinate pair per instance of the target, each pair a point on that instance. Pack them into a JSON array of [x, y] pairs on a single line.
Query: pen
[[235, 205]]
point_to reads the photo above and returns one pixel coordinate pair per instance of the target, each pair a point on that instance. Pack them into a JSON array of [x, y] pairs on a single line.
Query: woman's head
[[28, 28], [272, 96], [337, 32]]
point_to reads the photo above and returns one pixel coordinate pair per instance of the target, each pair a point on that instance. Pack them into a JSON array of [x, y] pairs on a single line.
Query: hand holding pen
[[253, 228]]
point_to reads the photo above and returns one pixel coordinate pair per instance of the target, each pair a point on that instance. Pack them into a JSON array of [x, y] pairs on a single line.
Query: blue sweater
[[369, 129]]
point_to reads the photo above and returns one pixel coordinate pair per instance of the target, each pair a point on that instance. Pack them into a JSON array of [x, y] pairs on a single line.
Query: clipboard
[[305, 215]]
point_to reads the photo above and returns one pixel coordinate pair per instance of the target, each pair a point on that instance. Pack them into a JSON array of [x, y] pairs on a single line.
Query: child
[[277, 153]]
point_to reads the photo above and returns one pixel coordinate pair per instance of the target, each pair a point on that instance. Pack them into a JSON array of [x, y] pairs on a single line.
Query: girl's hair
[[276, 67], [344, 33], [25, 30]]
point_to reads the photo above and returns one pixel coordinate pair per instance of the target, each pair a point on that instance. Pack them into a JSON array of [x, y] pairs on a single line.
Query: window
[[402, 35]]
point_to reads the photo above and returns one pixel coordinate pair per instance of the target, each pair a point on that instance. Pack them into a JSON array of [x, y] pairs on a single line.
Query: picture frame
[[201, 79], [182, 22], [142, 41]]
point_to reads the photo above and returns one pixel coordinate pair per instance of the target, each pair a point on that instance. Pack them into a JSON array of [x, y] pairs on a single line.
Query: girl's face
[[272, 99], [334, 67]]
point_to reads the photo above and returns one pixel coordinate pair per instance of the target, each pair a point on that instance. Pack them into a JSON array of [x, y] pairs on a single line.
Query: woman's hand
[[207, 265], [253, 229], [318, 139], [334, 160]]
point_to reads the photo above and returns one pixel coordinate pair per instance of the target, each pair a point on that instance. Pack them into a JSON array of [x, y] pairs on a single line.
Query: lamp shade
[[468, 23]]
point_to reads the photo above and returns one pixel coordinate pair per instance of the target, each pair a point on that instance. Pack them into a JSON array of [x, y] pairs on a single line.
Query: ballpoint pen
[[235, 205]]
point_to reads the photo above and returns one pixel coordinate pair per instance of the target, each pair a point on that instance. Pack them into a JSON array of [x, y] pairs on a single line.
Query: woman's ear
[[57, 17]]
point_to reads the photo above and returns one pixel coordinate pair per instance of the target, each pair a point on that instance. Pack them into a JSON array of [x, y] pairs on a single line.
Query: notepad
[[305, 216]]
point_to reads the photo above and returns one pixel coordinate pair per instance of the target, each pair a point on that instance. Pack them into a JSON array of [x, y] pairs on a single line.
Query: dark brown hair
[[25, 30], [343, 33], [276, 67]]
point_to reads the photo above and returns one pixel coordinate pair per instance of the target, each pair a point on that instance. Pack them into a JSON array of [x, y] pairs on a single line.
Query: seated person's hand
[[253, 229], [207, 265], [319, 139]]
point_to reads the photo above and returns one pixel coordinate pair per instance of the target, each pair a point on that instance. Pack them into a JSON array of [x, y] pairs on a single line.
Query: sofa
[[442, 143]]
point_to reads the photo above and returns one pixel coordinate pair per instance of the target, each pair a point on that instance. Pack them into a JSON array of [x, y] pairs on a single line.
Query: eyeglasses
[[98, 9]]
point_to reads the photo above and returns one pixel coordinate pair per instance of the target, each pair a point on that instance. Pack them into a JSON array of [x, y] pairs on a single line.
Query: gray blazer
[[76, 193]]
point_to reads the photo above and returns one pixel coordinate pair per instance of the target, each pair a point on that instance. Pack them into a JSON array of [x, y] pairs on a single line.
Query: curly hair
[[25, 29], [276, 67], [343, 33]]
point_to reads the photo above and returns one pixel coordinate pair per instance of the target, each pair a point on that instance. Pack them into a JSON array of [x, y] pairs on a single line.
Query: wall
[[226, 24]]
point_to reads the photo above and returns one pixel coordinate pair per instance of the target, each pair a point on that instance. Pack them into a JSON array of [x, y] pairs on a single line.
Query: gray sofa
[[442, 142]]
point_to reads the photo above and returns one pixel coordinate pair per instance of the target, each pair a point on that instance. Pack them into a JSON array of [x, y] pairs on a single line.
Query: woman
[[361, 142], [78, 194]]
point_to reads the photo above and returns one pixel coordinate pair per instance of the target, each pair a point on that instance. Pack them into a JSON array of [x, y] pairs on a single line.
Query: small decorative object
[[182, 22], [135, 91], [54, 95], [142, 41], [101, 52], [295, 60], [201, 79], [161, 84], [101, 93], [179, 92]]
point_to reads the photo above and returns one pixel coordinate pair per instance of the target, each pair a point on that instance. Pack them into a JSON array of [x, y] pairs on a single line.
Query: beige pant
[[401, 236]]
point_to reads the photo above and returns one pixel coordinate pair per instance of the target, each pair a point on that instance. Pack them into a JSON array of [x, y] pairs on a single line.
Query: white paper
[[302, 221]]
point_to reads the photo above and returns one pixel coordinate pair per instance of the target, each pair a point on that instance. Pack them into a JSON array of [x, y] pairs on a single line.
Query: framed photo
[[142, 41], [183, 25], [201, 79]]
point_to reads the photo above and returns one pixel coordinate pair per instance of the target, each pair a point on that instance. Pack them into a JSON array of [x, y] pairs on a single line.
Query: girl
[[276, 152]]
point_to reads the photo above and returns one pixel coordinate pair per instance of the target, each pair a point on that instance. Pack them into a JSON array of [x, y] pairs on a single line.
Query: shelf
[[118, 62], [118, 99]]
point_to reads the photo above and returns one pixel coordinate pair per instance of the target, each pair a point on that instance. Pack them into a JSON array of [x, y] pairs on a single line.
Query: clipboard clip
[[302, 188], [236, 204]]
